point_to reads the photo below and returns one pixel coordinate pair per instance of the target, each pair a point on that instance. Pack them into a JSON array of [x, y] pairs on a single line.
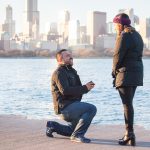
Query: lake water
[[25, 90]]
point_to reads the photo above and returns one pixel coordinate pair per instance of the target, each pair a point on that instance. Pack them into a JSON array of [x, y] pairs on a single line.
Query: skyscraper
[[83, 35], [74, 33], [31, 16], [64, 18], [96, 25], [9, 25]]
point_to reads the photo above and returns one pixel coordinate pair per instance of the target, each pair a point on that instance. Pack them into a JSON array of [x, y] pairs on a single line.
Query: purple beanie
[[122, 19]]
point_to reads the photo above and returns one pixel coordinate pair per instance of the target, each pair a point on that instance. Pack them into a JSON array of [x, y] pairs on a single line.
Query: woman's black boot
[[128, 139]]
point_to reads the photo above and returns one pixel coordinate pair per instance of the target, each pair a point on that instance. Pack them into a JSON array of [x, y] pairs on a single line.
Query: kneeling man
[[67, 92]]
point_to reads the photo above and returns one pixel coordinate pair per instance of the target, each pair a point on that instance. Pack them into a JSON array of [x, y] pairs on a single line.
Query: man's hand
[[90, 85]]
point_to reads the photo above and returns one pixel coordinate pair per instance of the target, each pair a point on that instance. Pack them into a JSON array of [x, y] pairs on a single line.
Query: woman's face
[[118, 27]]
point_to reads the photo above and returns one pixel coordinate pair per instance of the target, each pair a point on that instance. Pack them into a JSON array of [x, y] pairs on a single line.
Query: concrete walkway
[[18, 133]]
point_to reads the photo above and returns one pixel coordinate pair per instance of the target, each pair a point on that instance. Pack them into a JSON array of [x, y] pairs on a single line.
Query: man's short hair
[[58, 54]]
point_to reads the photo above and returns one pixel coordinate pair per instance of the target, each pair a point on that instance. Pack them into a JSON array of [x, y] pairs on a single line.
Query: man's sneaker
[[49, 132], [80, 139], [49, 129]]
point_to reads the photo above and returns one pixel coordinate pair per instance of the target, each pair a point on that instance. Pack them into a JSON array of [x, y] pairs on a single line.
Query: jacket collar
[[68, 67]]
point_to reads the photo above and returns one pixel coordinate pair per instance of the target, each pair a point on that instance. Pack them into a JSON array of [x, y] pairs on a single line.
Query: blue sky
[[49, 9]]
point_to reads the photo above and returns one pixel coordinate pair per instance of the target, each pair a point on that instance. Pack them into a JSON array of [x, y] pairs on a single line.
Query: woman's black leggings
[[127, 94]]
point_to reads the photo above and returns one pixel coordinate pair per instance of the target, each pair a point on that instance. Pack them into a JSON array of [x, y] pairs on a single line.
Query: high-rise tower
[[31, 16], [64, 18], [9, 25], [96, 25]]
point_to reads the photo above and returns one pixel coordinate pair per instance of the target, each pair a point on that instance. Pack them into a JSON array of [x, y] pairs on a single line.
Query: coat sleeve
[[64, 87], [121, 47]]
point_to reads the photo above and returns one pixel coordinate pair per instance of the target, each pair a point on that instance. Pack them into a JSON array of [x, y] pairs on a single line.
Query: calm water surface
[[25, 90]]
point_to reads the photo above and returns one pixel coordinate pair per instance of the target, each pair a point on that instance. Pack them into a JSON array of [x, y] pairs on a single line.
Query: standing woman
[[127, 70]]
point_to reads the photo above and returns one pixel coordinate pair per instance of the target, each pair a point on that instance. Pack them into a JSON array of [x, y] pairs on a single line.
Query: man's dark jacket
[[66, 87], [127, 59]]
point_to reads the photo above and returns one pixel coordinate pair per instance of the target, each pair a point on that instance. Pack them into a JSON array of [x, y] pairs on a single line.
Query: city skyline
[[49, 10]]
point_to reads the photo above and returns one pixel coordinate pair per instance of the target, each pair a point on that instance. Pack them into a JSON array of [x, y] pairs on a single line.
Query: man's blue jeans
[[79, 115]]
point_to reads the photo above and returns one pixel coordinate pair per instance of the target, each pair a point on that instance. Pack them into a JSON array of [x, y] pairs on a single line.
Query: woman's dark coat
[[127, 59]]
